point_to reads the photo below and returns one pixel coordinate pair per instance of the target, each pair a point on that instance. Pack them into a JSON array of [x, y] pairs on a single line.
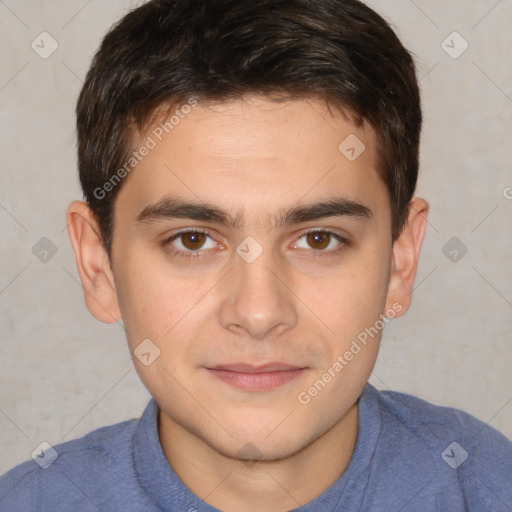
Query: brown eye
[[321, 242], [192, 243], [318, 239], [193, 240]]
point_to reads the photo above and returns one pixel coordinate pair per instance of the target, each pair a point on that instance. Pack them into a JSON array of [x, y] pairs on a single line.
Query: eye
[[322, 241], [192, 243], [185, 243]]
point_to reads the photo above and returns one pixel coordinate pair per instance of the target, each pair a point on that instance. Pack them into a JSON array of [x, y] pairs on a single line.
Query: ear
[[93, 263], [405, 256]]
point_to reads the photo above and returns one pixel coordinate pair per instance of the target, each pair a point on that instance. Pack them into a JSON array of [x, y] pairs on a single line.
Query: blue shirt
[[410, 455]]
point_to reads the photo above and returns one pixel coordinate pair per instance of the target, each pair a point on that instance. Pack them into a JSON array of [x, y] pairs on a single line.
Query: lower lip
[[256, 381]]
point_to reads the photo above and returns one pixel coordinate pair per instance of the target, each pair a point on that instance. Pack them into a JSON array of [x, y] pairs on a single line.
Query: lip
[[256, 377], [255, 368]]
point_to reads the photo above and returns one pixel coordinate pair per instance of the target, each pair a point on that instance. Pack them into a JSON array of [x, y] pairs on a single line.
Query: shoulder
[[462, 454], [419, 417], [416, 412], [96, 460]]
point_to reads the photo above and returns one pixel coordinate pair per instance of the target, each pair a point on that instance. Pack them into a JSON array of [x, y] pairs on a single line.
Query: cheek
[[351, 297], [158, 305], [147, 300]]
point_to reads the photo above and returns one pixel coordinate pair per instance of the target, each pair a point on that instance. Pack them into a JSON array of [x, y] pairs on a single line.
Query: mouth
[[256, 378]]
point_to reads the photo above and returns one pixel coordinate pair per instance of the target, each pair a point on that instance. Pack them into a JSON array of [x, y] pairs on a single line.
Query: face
[[256, 297]]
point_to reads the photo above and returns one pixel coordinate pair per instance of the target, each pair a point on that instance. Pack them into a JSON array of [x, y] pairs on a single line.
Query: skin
[[256, 159]]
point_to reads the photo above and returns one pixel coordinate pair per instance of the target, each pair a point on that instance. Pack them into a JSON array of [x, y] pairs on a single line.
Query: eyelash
[[317, 252]]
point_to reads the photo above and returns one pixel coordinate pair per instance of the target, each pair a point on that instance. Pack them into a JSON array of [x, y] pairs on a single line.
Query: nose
[[258, 298]]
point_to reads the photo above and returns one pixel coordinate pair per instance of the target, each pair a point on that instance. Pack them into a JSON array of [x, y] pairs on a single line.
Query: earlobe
[[92, 263], [405, 256]]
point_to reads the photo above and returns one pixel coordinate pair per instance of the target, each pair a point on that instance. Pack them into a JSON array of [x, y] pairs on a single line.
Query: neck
[[234, 485]]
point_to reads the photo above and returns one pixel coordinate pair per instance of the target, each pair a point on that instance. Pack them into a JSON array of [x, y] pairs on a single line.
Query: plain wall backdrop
[[64, 374]]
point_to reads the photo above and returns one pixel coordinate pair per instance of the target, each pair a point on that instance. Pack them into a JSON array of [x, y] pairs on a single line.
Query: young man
[[249, 170]]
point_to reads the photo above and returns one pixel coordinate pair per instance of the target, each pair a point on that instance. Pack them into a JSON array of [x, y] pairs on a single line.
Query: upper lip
[[252, 368]]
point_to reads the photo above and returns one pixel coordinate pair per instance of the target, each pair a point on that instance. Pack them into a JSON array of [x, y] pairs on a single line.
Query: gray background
[[64, 374]]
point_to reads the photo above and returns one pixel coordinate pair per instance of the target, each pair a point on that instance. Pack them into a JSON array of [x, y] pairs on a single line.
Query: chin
[[253, 446], [252, 451]]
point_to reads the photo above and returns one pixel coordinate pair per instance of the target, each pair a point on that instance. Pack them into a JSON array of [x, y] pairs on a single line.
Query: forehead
[[255, 152]]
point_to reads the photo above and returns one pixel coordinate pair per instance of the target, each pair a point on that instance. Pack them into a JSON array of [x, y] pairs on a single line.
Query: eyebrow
[[174, 208]]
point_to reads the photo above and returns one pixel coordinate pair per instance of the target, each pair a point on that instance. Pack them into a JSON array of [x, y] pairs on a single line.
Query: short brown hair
[[167, 51]]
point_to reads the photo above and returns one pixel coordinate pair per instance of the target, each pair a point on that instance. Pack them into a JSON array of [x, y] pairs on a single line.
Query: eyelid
[[330, 231], [167, 240]]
